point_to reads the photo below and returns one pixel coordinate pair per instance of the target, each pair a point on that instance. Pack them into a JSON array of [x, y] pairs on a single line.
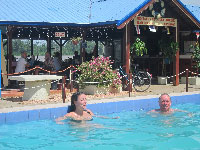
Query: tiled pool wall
[[100, 108]]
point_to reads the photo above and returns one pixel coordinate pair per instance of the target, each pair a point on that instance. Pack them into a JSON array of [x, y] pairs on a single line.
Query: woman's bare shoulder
[[70, 114]]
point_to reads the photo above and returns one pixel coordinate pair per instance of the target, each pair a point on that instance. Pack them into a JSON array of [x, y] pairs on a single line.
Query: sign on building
[[59, 34], [151, 21]]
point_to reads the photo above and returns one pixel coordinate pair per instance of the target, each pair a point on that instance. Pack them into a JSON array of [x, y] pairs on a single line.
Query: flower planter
[[162, 80], [194, 80], [191, 80], [97, 72], [183, 80], [93, 89]]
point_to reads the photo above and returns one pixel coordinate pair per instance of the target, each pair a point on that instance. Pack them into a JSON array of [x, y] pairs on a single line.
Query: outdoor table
[[37, 87]]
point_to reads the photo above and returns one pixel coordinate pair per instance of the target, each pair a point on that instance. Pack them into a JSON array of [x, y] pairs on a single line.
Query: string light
[[98, 32], [40, 69]]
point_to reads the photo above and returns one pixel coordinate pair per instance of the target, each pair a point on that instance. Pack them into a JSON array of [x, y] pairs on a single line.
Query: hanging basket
[[75, 42]]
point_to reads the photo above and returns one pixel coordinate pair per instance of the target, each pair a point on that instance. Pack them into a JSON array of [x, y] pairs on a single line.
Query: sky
[[191, 2]]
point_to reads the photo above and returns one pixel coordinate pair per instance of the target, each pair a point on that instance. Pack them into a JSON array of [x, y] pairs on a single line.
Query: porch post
[[127, 48], [95, 51], [61, 47], [49, 43], [31, 47], [9, 55], [82, 49], [126, 53], [176, 60]]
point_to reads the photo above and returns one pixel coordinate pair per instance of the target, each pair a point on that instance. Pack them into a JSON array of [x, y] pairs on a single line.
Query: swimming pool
[[133, 130]]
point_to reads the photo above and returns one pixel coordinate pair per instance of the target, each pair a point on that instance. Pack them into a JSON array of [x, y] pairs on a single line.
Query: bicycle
[[141, 80]]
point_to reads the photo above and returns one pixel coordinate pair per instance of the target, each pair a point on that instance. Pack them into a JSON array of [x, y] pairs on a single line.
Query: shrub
[[98, 71]]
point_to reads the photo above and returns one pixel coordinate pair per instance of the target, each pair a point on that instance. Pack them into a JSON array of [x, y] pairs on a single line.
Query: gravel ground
[[56, 97]]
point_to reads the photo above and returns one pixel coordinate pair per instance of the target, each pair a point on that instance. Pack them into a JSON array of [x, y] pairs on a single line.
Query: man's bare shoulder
[[159, 111], [154, 110]]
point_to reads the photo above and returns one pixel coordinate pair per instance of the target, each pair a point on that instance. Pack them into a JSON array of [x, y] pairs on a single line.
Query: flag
[[137, 29], [152, 28], [197, 34]]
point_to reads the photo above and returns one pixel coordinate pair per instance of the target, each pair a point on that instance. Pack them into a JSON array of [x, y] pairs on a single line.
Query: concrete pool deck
[[153, 92], [13, 98]]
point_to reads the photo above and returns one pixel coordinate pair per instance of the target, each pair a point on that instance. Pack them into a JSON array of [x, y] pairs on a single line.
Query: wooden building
[[116, 23]]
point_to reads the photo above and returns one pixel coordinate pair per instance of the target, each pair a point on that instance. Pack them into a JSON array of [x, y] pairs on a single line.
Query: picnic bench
[[37, 87]]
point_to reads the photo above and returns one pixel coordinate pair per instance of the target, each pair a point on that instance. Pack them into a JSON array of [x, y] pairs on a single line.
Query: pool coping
[[102, 106], [104, 100]]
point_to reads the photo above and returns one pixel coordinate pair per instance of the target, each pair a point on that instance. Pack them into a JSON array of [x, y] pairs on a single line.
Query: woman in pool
[[78, 110]]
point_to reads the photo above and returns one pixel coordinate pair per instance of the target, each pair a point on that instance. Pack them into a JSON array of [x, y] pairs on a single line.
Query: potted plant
[[96, 76], [138, 47], [75, 40], [196, 54], [196, 58], [168, 49]]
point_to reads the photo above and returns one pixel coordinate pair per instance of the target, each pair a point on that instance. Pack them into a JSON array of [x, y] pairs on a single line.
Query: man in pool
[[165, 104]]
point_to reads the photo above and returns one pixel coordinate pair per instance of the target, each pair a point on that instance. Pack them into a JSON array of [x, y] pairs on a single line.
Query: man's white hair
[[164, 94]]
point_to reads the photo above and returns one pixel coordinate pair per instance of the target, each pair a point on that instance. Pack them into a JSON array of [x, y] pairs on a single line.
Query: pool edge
[[103, 106]]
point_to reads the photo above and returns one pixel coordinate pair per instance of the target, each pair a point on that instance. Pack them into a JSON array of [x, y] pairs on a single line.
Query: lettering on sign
[[141, 20], [59, 34]]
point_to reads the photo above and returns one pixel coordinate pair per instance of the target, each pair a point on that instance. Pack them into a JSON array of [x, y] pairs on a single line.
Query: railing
[[71, 80]]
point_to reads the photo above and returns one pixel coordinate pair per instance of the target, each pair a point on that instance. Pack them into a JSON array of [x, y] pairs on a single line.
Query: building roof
[[191, 2], [193, 7], [76, 12], [66, 11]]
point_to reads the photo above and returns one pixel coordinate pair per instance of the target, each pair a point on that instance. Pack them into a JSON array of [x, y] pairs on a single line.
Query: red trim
[[134, 15]]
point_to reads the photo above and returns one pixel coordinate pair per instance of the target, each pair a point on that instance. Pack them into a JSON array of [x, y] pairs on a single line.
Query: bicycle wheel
[[141, 81]]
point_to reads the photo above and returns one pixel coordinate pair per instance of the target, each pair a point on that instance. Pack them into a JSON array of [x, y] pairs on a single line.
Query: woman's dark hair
[[74, 98]]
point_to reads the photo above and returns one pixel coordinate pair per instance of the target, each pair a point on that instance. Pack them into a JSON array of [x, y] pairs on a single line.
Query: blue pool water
[[134, 130]]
